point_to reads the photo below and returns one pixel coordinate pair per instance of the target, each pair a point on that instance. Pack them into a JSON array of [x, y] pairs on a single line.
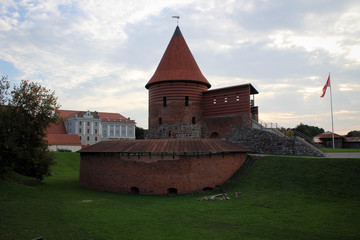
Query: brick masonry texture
[[156, 174]]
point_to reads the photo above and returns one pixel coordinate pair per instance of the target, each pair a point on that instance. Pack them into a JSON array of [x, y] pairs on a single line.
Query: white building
[[93, 127]]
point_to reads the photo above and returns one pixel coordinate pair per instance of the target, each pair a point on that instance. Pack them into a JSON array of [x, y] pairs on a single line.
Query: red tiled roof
[[177, 63], [114, 116], [103, 115], [63, 139], [327, 135], [57, 128], [165, 146]]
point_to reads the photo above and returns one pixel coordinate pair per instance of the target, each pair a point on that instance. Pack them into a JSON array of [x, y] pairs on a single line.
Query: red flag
[[327, 84]]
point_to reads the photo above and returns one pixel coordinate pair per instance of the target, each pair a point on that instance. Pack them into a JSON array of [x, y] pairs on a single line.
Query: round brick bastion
[[159, 166]]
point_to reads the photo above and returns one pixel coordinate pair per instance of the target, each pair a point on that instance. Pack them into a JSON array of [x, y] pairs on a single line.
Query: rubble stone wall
[[175, 131], [266, 142]]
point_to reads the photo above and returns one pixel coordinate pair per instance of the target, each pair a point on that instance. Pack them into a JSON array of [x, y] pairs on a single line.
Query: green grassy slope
[[282, 198]]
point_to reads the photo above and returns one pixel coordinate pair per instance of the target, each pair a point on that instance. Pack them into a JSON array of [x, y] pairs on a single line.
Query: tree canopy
[[25, 115], [140, 132], [310, 131], [354, 133]]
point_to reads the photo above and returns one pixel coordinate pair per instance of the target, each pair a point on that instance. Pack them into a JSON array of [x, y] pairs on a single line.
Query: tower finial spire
[[177, 21]]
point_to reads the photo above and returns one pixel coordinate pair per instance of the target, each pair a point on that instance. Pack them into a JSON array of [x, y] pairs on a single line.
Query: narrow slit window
[[193, 120], [225, 99], [214, 100], [164, 102], [160, 120], [186, 100]]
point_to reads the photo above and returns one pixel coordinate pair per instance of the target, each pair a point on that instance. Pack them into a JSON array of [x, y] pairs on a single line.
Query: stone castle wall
[[266, 142], [175, 131]]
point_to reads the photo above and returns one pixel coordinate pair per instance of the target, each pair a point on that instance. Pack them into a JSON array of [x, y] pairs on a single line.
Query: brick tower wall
[[173, 107], [224, 108]]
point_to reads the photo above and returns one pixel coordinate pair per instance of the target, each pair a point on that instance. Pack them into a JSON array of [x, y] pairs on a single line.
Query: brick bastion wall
[[156, 174]]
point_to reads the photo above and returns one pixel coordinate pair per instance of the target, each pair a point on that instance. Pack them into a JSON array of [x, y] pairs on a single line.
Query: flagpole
[[332, 118]]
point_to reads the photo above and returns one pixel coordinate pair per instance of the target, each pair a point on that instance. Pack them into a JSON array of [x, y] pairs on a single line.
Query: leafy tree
[[139, 132], [310, 131], [354, 133], [24, 117]]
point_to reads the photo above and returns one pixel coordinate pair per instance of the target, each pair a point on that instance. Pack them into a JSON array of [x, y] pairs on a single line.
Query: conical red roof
[[177, 63]]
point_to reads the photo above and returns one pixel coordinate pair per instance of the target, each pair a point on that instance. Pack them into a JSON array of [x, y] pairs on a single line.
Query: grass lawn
[[282, 198], [330, 150]]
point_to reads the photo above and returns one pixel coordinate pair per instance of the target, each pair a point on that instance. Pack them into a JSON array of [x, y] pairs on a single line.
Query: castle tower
[[175, 93]]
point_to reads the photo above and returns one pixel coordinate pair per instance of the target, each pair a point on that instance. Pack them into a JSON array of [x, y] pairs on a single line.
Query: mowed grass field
[[281, 198]]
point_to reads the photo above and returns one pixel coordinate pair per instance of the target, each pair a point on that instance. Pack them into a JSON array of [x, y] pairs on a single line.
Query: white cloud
[[349, 87], [82, 49], [336, 34]]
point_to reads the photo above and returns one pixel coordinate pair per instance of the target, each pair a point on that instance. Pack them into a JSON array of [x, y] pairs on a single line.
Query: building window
[[88, 138], [88, 130], [123, 131], [186, 100], [79, 130], [225, 99], [95, 124], [111, 130], [95, 131], [160, 120], [214, 100], [237, 97], [80, 138], [88, 123], [164, 102], [193, 120], [80, 123], [95, 139], [117, 130]]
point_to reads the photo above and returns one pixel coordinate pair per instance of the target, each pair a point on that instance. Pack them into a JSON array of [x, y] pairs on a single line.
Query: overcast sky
[[98, 55]]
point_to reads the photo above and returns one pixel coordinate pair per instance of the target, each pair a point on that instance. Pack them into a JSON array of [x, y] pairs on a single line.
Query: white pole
[[332, 118]]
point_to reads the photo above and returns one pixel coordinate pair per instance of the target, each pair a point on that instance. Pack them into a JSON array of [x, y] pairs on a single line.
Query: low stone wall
[[157, 174], [266, 142]]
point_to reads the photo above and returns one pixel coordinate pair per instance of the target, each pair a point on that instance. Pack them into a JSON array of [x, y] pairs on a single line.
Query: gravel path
[[343, 155]]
